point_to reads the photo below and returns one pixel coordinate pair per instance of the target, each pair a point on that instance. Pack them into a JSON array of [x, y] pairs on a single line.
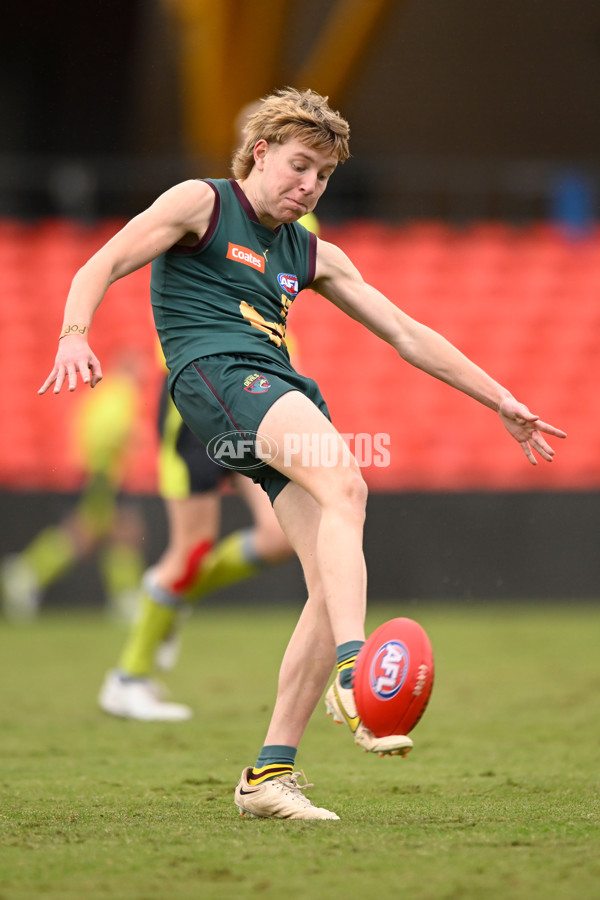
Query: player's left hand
[[527, 428], [74, 357]]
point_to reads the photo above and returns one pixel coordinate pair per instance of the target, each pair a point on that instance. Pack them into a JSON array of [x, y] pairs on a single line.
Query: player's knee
[[158, 592], [343, 489], [352, 491]]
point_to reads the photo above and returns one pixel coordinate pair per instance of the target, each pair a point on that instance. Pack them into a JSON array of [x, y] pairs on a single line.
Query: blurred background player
[[100, 520], [193, 564]]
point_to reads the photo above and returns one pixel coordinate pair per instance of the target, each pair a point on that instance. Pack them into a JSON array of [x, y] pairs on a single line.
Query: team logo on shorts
[[389, 669], [256, 384], [288, 283]]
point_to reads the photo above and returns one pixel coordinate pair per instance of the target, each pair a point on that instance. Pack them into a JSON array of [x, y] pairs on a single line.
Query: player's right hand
[[527, 428], [74, 356]]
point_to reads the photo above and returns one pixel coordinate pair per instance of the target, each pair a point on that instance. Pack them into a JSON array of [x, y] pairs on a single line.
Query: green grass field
[[499, 798]]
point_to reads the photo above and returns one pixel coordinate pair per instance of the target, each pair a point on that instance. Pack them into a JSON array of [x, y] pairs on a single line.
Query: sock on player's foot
[[232, 560], [50, 555], [346, 657], [154, 623], [274, 760]]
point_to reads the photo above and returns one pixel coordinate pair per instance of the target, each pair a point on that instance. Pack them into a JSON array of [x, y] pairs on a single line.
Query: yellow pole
[[339, 47]]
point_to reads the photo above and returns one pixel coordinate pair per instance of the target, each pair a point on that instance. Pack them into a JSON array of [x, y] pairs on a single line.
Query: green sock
[[232, 560], [274, 760], [346, 657], [154, 623], [49, 555]]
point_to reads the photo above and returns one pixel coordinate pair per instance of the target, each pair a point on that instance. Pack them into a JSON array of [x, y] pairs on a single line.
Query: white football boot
[[340, 704], [281, 798], [139, 698]]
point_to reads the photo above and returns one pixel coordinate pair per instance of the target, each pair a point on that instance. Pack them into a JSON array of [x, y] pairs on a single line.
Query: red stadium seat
[[522, 302]]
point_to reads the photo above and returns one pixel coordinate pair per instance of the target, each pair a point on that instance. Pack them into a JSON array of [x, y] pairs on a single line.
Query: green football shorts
[[224, 398]]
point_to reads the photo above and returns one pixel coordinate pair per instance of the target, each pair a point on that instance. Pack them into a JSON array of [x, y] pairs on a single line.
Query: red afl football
[[393, 677]]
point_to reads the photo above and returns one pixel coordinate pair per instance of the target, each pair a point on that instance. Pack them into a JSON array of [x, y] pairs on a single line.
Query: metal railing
[[391, 188]]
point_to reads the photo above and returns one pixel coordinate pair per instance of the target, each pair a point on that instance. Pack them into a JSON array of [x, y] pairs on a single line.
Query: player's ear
[[261, 148]]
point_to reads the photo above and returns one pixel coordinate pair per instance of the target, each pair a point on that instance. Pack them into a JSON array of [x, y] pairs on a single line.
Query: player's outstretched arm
[[339, 281], [183, 209]]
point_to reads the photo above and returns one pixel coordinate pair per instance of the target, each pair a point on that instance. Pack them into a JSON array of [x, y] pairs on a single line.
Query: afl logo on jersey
[[288, 283], [256, 384]]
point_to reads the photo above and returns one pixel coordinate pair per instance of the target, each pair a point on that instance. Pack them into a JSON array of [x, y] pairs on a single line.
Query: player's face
[[294, 177]]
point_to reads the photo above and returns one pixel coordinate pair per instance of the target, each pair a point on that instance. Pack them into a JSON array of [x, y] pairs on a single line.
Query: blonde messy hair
[[289, 114]]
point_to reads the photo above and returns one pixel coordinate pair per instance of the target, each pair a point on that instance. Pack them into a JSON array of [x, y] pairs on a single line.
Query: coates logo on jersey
[[245, 256], [388, 669], [288, 283], [256, 384]]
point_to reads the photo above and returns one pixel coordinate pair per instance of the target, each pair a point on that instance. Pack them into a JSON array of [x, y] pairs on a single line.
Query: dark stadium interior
[[471, 108]]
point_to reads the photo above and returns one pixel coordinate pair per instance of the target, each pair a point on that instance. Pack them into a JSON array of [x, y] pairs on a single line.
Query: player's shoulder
[[190, 202], [192, 189]]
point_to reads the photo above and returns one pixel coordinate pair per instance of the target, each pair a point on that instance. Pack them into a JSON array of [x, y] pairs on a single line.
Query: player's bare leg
[[340, 494], [271, 787], [322, 513], [305, 670], [310, 654], [193, 520], [268, 540]]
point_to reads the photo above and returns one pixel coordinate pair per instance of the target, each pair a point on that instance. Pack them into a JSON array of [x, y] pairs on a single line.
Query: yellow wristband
[[73, 329]]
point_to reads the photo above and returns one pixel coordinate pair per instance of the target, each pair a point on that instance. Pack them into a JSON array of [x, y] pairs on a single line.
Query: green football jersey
[[232, 291]]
